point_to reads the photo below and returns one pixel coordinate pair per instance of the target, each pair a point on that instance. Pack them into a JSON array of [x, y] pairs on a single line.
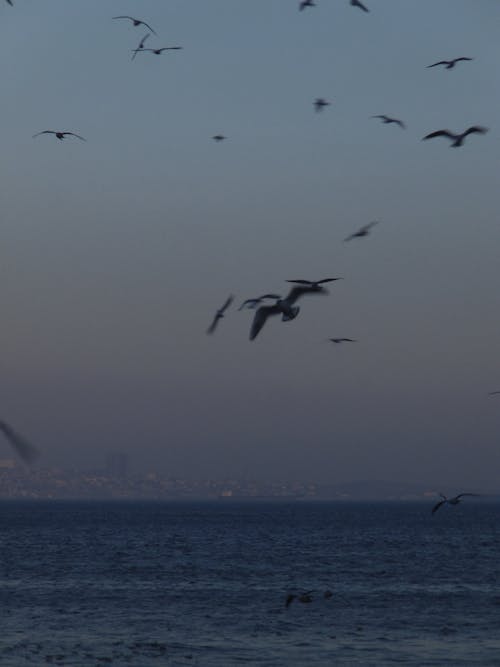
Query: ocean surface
[[205, 584]]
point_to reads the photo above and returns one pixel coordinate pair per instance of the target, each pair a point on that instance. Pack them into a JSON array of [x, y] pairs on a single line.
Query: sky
[[115, 253]]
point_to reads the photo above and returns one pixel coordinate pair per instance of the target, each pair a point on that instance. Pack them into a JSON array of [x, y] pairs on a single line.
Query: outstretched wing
[[300, 282], [213, 326], [25, 449], [43, 132], [74, 135], [148, 27], [227, 303], [462, 495], [260, 318], [440, 133], [476, 129], [437, 506], [357, 3], [462, 58], [440, 62]]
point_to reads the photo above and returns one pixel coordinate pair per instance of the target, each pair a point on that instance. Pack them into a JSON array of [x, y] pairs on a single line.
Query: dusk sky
[[115, 253]]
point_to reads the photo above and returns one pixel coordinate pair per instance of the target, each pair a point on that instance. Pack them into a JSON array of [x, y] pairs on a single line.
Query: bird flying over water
[[450, 64], [456, 139], [343, 340], [320, 103], [388, 119], [451, 501], [357, 3], [364, 231], [136, 22], [25, 449], [305, 598], [59, 135], [253, 303], [285, 307], [141, 45], [220, 314], [306, 3], [158, 52]]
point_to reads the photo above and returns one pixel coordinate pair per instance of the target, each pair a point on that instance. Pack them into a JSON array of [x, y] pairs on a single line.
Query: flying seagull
[[306, 3], [388, 119], [364, 231], [158, 52], [253, 303], [136, 22], [450, 64], [59, 135], [141, 45], [343, 340], [456, 139], [357, 3], [314, 285], [220, 314], [320, 103], [451, 501], [25, 449], [285, 307], [218, 137]]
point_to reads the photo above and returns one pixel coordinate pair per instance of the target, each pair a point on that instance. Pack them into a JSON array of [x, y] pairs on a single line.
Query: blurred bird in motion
[[136, 22], [388, 119], [456, 139], [364, 231], [59, 135], [451, 501], [450, 64], [220, 314]]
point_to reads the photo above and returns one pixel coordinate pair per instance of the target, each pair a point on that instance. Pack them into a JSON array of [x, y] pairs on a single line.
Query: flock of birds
[[282, 306]]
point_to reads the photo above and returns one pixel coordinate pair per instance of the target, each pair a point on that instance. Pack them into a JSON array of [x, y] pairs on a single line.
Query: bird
[[218, 137], [315, 285], [9, 2], [357, 3], [364, 231], [492, 393], [157, 52], [253, 303], [450, 64], [388, 119], [141, 45], [25, 449], [136, 22], [306, 3], [220, 314], [343, 340], [456, 139], [451, 501], [59, 135], [320, 103], [285, 307]]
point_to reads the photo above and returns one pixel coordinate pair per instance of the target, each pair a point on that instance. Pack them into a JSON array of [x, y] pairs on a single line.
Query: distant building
[[117, 464]]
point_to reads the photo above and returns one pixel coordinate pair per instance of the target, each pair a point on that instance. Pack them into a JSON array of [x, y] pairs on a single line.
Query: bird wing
[[463, 58], [270, 296], [148, 27], [75, 135], [260, 318], [213, 326], [462, 495], [477, 129], [227, 303], [131, 18], [399, 122], [300, 282], [440, 133], [25, 449], [10, 3], [298, 291], [43, 132], [327, 280], [247, 301], [440, 62], [437, 506], [357, 3]]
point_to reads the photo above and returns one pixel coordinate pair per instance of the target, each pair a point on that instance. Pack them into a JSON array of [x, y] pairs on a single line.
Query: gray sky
[[115, 253]]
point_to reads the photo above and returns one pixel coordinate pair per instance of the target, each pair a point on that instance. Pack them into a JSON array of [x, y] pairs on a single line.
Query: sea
[[206, 584]]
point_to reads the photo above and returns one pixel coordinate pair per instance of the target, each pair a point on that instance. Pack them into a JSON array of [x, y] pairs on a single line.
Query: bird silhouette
[[357, 3], [9, 2], [493, 393], [305, 598], [450, 64], [25, 449], [315, 285], [320, 103], [218, 138], [364, 231], [306, 3], [451, 501], [59, 135], [136, 22], [253, 303], [220, 314], [456, 139], [285, 307], [141, 45], [157, 52], [388, 119], [343, 340]]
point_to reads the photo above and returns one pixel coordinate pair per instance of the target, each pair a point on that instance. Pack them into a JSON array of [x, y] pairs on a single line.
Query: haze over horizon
[[117, 252]]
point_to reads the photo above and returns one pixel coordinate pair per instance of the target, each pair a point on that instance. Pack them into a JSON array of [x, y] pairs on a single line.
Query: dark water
[[85, 584]]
